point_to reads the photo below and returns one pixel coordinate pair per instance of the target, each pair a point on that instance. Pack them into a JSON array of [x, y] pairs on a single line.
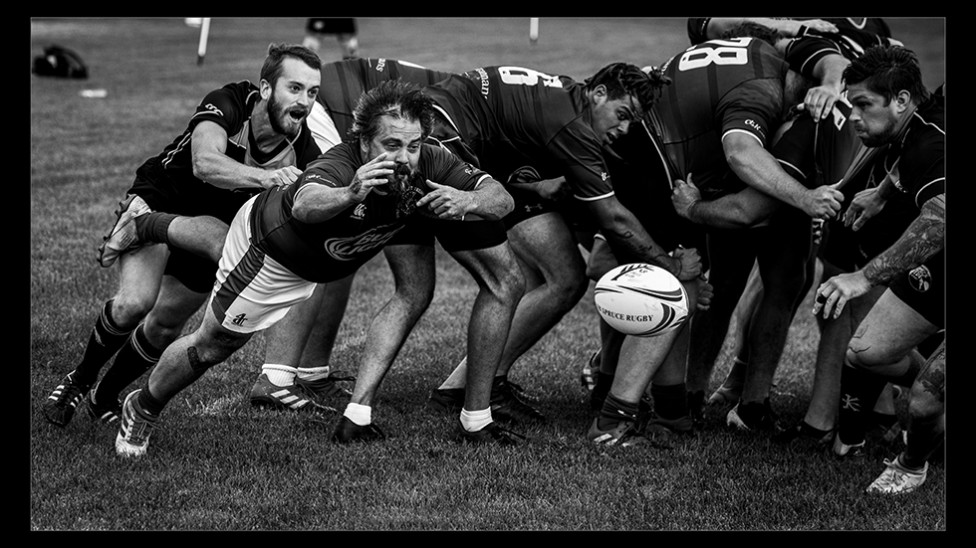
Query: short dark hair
[[886, 70], [395, 98], [626, 79], [277, 53]]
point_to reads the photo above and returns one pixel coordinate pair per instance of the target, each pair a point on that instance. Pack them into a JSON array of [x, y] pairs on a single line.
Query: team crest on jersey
[[212, 108], [920, 279]]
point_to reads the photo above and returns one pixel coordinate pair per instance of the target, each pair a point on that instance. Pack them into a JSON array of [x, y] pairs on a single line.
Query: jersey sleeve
[[444, 168], [335, 168], [580, 154], [753, 107], [922, 170], [805, 52], [224, 106]]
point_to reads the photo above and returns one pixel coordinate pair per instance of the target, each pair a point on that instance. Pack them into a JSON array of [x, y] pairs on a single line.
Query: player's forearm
[[758, 168], [316, 203], [224, 172], [492, 201], [829, 71], [628, 239], [922, 240]]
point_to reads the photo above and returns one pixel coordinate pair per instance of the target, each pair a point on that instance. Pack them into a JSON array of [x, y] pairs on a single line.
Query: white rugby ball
[[641, 299]]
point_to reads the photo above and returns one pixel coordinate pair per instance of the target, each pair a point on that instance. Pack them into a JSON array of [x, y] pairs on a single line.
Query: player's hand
[[836, 292], [865, 204], [687, 264], [819, 101], [551, 189], [684, 196], [447, 202], [372, 173], [823, 202], [282, 176], [705, 293], [819, 25]]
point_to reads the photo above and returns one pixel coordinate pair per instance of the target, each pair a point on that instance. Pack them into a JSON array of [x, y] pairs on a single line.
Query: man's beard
[[278, 117], [404, 186]]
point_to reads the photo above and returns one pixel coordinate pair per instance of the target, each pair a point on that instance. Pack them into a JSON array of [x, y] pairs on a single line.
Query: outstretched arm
[[212, 165]]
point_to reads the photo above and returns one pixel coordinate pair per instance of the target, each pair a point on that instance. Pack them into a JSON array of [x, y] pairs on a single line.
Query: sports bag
[[60, 62]]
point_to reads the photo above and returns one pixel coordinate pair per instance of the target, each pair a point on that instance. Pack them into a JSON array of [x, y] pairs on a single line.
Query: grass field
[[216, 464]]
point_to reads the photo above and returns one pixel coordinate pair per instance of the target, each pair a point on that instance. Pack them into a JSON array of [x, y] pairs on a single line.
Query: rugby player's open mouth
[[298, 114]]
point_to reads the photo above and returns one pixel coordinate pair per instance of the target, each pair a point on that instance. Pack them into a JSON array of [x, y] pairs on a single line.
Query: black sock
[[670, 402], [154, 227], [924, 437], [135, 358], [859, 391], [149, 404], [600, 389], [105, 340], [615, 411]]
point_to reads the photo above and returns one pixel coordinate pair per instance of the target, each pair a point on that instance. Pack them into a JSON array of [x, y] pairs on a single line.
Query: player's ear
[[902, 100], [599, 94], [266, 89]]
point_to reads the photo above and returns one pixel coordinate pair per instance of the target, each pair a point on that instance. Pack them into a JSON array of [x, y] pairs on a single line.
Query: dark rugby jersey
[[515, 116], [344, 81], [822, 153], [804, 52], [230, 107], [916, 162], [717, 87], [696, 26], [327, 251]]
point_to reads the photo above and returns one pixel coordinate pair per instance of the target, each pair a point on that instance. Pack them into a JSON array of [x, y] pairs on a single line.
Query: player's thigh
[[413, 268], [546, 244], [174, 307], [889, 331]]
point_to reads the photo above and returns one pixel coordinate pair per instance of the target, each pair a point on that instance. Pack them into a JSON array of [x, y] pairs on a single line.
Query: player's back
[[717, 86], [343, 82], [508, 111]]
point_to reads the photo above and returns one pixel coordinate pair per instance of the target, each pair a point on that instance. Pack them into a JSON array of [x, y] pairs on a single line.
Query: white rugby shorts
[[252, 291]]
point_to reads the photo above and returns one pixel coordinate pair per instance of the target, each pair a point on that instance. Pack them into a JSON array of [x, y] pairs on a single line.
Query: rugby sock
[[279, 374], [135, 358], [149, 404], [670, 402], [615, 411], [601, 389], [359, 414], [859, 390], [105, 340], [154, 227], [925, 436], [472, 421], [312, 373]]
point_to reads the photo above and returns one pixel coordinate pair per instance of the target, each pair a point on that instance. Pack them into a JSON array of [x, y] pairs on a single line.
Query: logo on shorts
[[238, 319], [920, 279]]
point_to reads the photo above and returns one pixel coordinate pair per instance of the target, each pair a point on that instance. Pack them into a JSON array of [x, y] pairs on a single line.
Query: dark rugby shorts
[[923, 289], [452, 235]]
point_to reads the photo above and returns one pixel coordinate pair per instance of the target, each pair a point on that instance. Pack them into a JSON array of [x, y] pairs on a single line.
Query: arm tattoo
[[922, 239]]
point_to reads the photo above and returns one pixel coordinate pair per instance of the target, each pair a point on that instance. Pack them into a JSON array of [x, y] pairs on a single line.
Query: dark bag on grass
[[60, 62]]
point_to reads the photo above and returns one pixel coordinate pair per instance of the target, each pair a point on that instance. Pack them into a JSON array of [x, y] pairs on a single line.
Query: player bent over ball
[[336, 217]]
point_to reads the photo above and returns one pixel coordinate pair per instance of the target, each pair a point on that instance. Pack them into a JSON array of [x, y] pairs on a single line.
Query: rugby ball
[[641, 299]]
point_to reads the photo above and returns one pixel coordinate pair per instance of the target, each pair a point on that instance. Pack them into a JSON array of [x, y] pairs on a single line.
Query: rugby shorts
[[252, 291], [923, 289], [452, 235]]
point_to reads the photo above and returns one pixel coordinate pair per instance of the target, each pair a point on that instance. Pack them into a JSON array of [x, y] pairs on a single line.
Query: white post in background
[[204, 34], [533, 29]]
